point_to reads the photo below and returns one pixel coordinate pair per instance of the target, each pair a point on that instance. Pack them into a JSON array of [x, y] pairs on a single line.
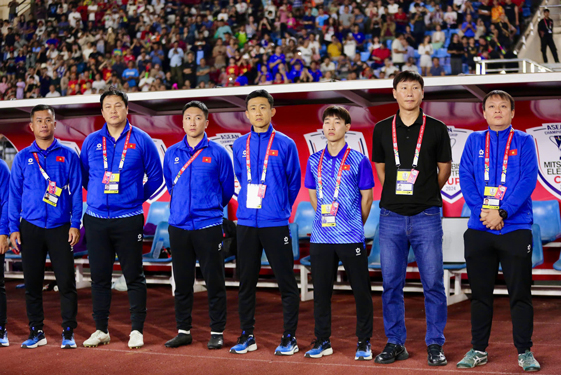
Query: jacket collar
[[52, 147], [202, 144], [266, 134], [108, 135]]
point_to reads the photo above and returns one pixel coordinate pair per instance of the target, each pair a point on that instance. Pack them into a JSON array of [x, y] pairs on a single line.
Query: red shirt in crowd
[[382, 54]]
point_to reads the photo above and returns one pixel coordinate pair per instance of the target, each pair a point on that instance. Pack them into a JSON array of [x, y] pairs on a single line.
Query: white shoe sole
[[96, 345], [68, 346], [39, 343], [294, 350], [369, 358], [5, 344], [328, 351], [251, 348]]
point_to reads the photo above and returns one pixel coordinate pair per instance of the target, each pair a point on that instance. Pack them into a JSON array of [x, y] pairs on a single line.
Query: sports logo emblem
[[451, 191], [548, 146]]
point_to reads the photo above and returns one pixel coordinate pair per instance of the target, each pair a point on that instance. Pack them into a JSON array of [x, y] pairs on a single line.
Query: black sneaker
[[216, 341], [180, 340], [436, 356], [391, 353]]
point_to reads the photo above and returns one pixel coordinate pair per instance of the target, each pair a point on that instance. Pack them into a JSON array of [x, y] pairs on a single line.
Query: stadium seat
[[295, 245], [304, 217], [374, 257], [537, 251], [389, 43], [372, 221], [158, 212], [548, 217], [466, 212], [447, 69], [161, 239], [364, 56]]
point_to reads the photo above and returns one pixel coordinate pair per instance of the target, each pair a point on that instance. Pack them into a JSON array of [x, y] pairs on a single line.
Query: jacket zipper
[[497, 169], [190, 190], [46, 204], [258, 174]]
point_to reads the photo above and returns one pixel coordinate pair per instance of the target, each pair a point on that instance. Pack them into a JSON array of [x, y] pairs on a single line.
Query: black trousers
[[483, 252], [547, 41], [36, 242], [107, 237], [325, 260], [186, 247], [3, 303], [278, 247]]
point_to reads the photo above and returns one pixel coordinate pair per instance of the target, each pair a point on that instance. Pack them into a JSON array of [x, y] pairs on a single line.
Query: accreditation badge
[[52, 194], [253, 198], [490, 197], [403, 185], [112, 184], [327, 216]]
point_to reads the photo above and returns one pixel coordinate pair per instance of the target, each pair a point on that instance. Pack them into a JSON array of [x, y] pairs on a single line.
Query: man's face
[[43, 125], [334, 128], [114, 110], [498, 112], [194, 122], [259, 112], [409, 94]]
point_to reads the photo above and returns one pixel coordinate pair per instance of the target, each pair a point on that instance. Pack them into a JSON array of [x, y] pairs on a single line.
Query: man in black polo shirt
[[413, 159], [545, 28]]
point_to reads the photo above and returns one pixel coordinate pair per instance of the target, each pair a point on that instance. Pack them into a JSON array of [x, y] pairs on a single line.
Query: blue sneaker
[[36, 338], [288, 346], [246, 343], [363, 351], [68, 339], [4, 337], [321, 348]]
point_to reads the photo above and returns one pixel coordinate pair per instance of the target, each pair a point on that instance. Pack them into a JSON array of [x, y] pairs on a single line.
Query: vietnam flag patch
[[513, 152], [346, 167], [132, 145], [206, 159], [60, 159], [274, 152]]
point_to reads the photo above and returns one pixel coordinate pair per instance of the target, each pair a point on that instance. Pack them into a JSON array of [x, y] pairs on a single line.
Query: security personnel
[[114, 162], [4, 234], [200, 179], [340, 182], [268, 168], [45, 210], [413, 159], [498, 173]]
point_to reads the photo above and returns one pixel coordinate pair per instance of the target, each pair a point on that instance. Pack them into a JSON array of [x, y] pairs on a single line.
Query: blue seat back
[[547, 216], [374, 257], [162, 232], [466, 212], [293, 227], [537, 252], [373, 219], [158, 212], [304, 218]]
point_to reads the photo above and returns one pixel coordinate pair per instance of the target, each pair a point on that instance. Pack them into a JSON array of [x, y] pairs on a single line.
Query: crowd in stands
[[82, 47]]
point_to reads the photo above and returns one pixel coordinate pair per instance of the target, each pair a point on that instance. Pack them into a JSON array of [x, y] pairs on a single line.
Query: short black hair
[[337, 111], [408, 76], [259, 94], [197, 104], [112, 91], [42, 107], [501, 94]]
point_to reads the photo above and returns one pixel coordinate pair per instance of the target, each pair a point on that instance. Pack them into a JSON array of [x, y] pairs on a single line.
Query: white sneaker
[[98, 337], [136, 340]]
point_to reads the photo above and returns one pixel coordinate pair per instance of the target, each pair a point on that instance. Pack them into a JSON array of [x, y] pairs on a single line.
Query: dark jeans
[[204, 245], [423, 232], [36, 242], [278, 247], [107, 237], [325, 260], [483, 252]]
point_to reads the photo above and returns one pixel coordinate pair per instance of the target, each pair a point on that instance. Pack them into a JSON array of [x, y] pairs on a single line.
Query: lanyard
[[265, 163], [417, 148], [191, 159], [339, 174], [45, 175], [505, 157], [105, 165]]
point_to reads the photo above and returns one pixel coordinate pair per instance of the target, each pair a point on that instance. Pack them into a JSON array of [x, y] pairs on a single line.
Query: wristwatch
[[503, 214]]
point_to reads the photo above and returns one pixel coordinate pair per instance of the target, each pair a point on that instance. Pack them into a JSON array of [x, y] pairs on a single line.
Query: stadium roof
[[364, 93]]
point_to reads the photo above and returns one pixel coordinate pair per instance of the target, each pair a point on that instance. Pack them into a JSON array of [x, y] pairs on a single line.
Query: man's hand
[[15, 239], [3, 244], [492, 219], [73, 236]]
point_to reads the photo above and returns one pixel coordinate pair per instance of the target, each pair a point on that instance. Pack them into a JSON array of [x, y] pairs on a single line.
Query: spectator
[[389, 67], [481, 29], [379, 55], [350, 46], [130, 75], [545, 29], [175, 56], [327, 66], [436, 70], [451, 17], [484, 12], [410, 65], [398, 51], [203, 73], [52, 92], [335, 48], [468, 27], [426, 50], [496, 12], [438, 38], [511, 11], [456, 51]]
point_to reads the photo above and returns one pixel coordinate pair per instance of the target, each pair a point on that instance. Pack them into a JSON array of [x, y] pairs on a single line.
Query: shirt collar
[[418, 121], [53, 146], [202, 144], [339, 155], [109, 136]]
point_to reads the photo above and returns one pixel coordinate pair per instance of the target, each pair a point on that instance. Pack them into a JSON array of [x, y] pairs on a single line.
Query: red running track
[[154, 358]]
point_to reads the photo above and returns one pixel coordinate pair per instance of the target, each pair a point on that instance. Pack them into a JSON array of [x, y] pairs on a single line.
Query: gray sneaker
[[473, 358], [528, 362]]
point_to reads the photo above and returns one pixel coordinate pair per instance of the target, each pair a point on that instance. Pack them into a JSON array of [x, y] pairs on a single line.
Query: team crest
[[316, 141], [451, 191], [548, 146]]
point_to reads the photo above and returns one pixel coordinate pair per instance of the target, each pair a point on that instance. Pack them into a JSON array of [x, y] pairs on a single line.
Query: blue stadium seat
[[526, 12], [368, 37], [416, 55], [374, 257], [84, 209], [465, 68], [429, 32], [304, 217], [295, 245], [372, 222], [323, 50], [158, 212], [161, 238], [447, 69], [548, 217], [537, 252], [466, 212], [225, 214], [389, 43], [364, 56]]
